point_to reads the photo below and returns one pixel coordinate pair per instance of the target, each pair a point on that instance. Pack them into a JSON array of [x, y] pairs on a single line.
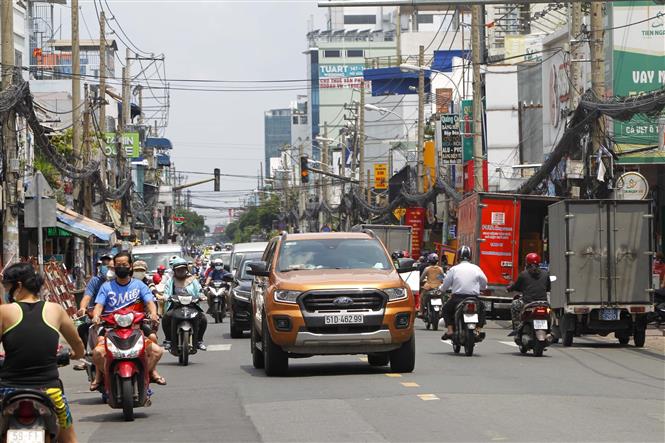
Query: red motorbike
[[126, 377]]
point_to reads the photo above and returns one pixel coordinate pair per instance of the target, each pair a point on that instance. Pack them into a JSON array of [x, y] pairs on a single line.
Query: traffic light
[[304, 169], [216, 179]]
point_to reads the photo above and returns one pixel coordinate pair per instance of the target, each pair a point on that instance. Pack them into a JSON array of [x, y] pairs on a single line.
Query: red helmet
[[532, 259], [161, 268]]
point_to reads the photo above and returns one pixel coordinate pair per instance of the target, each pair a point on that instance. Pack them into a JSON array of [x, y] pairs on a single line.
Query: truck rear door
[[586, 253], [630, 228], [498, 242]]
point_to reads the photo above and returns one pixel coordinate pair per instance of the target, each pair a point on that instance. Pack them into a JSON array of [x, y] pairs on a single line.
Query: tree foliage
[[255, 221], [193, 228]]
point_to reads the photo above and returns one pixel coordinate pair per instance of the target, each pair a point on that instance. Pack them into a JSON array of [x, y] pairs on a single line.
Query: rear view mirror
[[227, 268], [258, 269]]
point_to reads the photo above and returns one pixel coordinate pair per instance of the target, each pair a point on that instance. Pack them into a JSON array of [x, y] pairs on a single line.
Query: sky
[[229, 40]]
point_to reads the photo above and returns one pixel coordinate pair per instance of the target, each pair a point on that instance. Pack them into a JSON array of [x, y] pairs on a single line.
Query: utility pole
[[597, 66], [76, 80], [476, 23], [86, 185], [324, 180], [140, 88], [361, 135], [575, 68], [302, 201], [421, 118], [398, 35], [126, 107], [10, 225], [102, 72]]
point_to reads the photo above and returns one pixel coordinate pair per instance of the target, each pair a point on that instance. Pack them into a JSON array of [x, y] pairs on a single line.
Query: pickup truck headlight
[[395, 294], [241, 295], [286, 296]]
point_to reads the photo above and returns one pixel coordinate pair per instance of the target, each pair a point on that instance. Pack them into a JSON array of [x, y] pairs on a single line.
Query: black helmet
[[397, 254], [464, 253]]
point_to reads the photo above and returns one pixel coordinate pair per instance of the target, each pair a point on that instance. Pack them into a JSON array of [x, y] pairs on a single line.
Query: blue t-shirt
[[115, 296], [93, 286]]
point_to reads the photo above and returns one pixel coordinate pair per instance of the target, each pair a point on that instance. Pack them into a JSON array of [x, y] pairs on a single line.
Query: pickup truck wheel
[[639, 336], [567, 335], [275, 359], [257, 355], [404, 358], [378, 359]]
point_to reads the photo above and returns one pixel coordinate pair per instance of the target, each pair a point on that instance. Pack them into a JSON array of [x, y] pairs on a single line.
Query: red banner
[[415, 217]]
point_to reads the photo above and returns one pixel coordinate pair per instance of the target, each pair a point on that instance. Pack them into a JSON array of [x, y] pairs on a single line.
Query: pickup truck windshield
[[332, 254]]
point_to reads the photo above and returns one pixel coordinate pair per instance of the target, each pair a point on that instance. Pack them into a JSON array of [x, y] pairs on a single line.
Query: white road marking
[[225, 347], [410, 384], [393, 375], [428, 397], [448, 342], [510, 343]]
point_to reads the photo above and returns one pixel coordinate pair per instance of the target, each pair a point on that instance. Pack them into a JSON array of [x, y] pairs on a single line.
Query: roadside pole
[[10, 248], [302, 200], [421, 119], [597, 68], [102, 96], [40, 234], [476, 23], [575, 68], [361, 135], [76, 80]]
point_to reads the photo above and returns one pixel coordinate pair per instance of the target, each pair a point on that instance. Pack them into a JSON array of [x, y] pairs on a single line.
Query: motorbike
[[184, 327], [466, 319], [29, 415], [217, 292], [126, 379], [433, 310], [534, 332]]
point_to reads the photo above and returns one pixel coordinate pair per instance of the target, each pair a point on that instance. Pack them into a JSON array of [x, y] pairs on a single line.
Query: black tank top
[[30, 350]]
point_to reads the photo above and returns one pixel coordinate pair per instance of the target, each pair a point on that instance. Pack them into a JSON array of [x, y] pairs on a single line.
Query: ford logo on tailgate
[[343, 301]]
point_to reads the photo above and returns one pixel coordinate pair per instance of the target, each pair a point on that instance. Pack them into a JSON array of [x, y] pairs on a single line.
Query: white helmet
[[217, 262]]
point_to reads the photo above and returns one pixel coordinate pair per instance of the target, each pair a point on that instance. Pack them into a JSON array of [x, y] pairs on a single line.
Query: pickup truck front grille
[[330, 301]]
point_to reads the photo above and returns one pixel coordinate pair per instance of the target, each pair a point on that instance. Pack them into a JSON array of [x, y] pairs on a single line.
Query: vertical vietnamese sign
[[380, 176], [415, 217]]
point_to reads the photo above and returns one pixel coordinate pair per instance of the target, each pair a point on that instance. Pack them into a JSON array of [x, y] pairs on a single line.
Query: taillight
[[541, 310], [470, 308], [26, 413], [637, 309]]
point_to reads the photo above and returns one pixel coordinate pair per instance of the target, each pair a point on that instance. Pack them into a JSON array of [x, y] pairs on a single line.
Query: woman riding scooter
[[432, 277], [182, 283]]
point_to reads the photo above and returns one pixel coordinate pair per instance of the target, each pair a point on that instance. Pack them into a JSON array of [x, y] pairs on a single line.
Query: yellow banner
[[429, 165], [380, 176]]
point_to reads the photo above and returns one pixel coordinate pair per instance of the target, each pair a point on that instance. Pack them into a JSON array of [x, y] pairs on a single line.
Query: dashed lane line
[[410, 384], [223, 347], [393, 375], [428, 397]]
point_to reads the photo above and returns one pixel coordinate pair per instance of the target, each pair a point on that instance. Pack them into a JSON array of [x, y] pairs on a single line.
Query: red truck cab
[[501, 229]]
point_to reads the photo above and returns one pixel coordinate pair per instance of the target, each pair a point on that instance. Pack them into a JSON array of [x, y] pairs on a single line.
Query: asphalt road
[[594, 391]]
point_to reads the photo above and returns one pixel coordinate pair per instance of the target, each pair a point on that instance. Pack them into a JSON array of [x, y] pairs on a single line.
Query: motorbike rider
[[122, 292], [158, 276], [217, 271], [465, 280], [534, 284], [183, 283], [31, 331], [140, 267], [104, 271], [431, 279]]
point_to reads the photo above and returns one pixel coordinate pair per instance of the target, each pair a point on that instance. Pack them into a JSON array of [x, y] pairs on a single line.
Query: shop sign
[[130, 143], [451, 140], [399, 213], [415, 217], [631, 186], [380, 176], [467, 130], [54, 231]]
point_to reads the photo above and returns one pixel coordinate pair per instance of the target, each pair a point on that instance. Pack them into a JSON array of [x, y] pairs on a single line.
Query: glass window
[[425, 19], [360, 19], [332, 53], [153, 260], [303, 120], [295, 120], [332, 254], [355, 53]]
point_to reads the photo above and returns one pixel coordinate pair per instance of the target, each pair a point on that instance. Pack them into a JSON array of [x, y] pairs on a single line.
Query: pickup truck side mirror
[[258, 269]]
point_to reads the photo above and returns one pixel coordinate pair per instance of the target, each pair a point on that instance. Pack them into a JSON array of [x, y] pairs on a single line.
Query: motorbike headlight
[[185, 299], [124, 320], [241, 295], [286, 296], [395, 294]]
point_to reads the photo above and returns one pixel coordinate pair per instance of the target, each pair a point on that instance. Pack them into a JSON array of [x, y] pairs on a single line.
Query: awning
[[72, 230], [78, 221], [158, 143]]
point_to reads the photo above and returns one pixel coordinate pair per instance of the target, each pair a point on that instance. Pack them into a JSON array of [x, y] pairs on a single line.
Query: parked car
[[330, 294]]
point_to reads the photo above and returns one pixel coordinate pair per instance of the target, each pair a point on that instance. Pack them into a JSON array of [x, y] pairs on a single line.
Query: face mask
[[219, 268], [110, 274], [122, 272], [103, 270], [139, 275], [180, 273]]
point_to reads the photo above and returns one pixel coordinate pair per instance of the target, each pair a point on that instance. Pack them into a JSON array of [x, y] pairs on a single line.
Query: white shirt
[[465, 278]]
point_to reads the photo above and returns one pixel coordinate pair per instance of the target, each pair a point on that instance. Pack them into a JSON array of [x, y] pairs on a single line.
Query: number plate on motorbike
[[488, 305], [436, 302], [609, 314], [470, 318], [25, 436], [540, 324], [344, 319]]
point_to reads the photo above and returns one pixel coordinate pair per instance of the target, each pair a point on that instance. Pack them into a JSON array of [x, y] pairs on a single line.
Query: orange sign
[[380, 176], [429, 163]]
